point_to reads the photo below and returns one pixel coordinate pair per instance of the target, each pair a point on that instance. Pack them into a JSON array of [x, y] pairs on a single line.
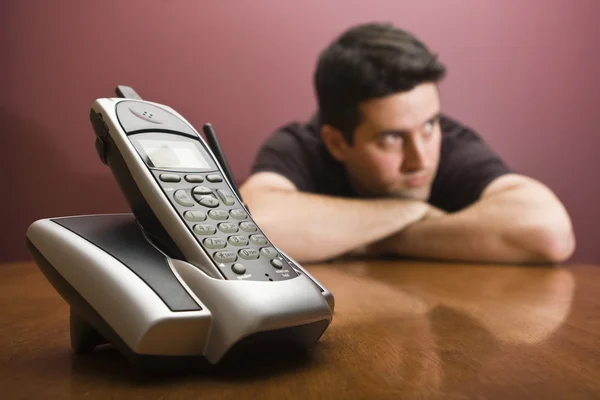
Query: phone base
[[111, 305]]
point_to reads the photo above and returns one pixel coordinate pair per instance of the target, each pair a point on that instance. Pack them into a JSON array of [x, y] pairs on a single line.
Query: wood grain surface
[[401, 330]]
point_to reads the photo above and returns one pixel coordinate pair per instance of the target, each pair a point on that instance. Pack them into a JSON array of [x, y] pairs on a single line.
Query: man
[[380, 171]]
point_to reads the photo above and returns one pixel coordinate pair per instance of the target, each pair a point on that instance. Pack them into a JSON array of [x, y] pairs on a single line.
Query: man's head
[[379, 107]]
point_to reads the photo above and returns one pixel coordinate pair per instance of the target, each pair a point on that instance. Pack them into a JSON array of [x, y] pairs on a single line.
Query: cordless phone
[[188, 277], [180, 190]]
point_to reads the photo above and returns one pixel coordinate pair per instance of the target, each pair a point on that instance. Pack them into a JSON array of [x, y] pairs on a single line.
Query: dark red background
[[524, 74]]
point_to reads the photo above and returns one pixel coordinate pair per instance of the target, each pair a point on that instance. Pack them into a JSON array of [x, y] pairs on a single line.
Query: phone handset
[[181, 190]]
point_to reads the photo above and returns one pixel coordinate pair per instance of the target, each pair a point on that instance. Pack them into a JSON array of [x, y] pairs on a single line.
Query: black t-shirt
[[467, 165]]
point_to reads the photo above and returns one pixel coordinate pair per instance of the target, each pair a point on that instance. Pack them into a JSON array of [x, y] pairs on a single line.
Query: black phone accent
[[213, 143], [127, 92]]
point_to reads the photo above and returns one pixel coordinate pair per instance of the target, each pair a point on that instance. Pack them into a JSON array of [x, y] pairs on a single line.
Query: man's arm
[[311, 227], [516, 220]]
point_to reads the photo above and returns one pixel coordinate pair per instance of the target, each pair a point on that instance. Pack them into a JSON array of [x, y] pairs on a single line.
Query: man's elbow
[[557, 242], [560, 247]]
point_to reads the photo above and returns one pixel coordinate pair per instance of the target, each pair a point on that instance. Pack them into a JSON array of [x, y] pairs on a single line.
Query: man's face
[[396, 147]]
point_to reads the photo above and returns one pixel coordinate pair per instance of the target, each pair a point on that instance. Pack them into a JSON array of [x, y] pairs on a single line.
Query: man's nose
[[414, 155]]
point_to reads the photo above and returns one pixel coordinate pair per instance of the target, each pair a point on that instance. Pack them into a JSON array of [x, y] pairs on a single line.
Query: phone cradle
[[163, 312]]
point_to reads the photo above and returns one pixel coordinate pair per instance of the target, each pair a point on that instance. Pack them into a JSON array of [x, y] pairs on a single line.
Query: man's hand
[[313, 228], [388, 246], [434, 212]]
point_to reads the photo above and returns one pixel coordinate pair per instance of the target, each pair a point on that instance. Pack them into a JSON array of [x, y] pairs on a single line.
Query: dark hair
[[369, 61]]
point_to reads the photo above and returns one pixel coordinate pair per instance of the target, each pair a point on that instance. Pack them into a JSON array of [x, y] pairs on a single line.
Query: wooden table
[[401, 330]]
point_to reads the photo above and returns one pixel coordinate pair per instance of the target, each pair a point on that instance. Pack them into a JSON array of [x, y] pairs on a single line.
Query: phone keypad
[[268, 252], [169, 178], [214, 243], [183, 199], [238, 268], [238, 214], [225, 256], [219, 215], [201, 190], [195, 216], [223, 228], [226, 197], [249, 254], [208, 201], [228, 227], [194, 178], [258, 239], [204, 229], [214, 178], [237, 240]]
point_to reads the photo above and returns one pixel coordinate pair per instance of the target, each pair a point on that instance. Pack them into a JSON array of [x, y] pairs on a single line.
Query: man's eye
[[428, 128], [391, 139]]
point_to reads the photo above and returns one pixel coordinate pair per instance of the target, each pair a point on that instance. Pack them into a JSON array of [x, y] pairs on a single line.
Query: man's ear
[[335, 142]]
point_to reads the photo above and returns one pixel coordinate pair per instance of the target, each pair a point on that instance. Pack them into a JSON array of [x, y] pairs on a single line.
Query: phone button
[[195, 216], [214, 243], [277, 263], [209, 201], [201, 190], [249, 254], [214, 178], [258, 239], [238, 214], [218, 214], [194, 178], [238, 268], [182, 198], [170, 178], [225, 256], [226, 197], [248, 226], [268, 252], [227, 227], [237, 240], [204, 229]]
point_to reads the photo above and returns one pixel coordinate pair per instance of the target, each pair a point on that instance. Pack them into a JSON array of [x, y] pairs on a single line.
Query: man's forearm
[[456, 237], [520, 226], [315, 228]]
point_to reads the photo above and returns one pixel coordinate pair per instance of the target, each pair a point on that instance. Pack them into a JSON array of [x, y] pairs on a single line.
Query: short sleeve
[[467, 166], [285, 153]]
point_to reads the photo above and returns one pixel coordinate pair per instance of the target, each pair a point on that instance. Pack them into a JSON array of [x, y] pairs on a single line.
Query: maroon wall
[[525, 74]]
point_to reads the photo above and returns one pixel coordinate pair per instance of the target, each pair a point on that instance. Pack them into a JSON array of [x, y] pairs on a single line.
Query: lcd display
[[173, 154]]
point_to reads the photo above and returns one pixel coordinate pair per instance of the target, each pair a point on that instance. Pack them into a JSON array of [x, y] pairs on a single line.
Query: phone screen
[[173, 154]]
